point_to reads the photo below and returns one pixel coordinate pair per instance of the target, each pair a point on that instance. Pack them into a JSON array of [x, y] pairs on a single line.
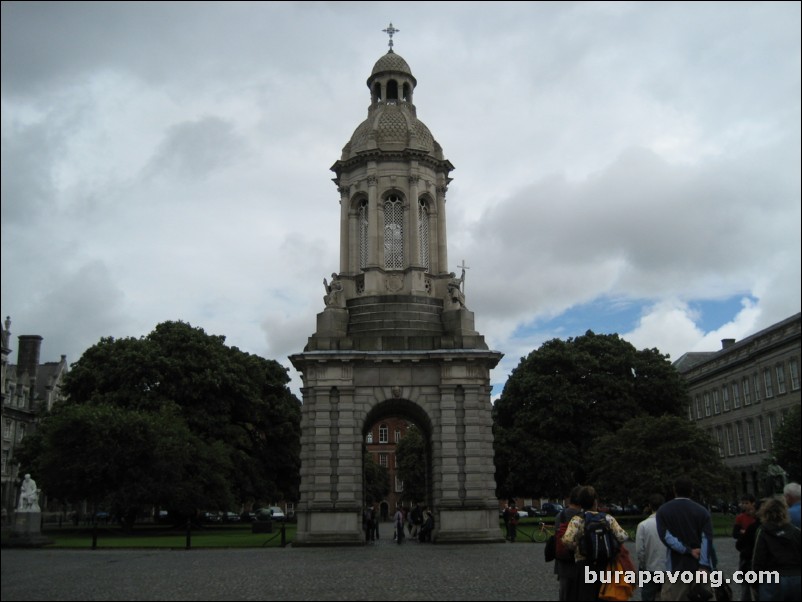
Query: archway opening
[[397, 458]]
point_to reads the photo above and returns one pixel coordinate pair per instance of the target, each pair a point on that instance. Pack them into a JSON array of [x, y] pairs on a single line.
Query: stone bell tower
[[395, 337]]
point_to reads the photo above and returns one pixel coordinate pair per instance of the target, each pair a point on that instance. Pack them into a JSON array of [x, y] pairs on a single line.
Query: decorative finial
[[390, 31]]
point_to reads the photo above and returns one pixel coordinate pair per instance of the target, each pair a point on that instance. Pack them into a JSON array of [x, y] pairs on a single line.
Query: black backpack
[[598, 544]]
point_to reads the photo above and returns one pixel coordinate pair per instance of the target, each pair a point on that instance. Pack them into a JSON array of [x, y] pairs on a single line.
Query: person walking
[[650, 550], [576, 533], [398, 521], [511, 520], [565, 568], [792, 495], [686, 529], [744, 536], [777, 548]]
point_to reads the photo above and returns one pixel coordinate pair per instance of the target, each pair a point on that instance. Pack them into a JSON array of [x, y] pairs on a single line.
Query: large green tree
[[565, 395], [788, 444], [377, 479], [412, 465], [648, 453], [175, 418]]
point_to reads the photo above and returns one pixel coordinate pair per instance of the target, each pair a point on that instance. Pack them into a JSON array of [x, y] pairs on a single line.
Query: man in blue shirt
[[686, 528]]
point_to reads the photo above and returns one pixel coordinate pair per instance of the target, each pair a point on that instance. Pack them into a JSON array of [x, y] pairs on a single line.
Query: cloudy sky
[[620, 167]]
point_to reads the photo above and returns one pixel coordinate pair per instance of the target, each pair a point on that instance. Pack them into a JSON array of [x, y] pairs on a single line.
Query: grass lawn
[[146, 536]]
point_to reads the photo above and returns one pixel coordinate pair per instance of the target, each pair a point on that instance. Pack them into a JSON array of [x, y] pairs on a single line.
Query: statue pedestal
[[27, 532]]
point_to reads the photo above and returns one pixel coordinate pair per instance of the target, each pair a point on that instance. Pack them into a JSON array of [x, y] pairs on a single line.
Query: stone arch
[[413, 412]]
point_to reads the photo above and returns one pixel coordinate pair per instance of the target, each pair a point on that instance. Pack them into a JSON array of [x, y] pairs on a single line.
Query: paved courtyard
[[383, 571]]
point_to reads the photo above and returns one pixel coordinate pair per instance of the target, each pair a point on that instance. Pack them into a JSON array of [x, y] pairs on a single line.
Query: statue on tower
[[455, 292], [333, 296]]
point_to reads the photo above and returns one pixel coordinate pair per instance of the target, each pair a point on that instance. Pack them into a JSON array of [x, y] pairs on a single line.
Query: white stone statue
[[29, 496], [455, 293], [333, 296]]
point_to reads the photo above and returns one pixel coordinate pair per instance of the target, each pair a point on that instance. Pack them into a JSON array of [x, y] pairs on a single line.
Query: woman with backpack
[[777, 548], [595, 538]]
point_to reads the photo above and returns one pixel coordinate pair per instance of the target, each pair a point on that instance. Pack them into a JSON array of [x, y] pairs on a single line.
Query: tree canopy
[[377, 480], [648, 453], [411, 456], [175, 418], [565, 395]]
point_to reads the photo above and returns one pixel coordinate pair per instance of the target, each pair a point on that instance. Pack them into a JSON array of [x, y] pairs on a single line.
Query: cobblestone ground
[[379, 571]]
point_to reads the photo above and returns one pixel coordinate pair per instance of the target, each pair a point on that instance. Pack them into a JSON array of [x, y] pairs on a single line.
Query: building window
[[384, 434], [750, 434], [20, 432], [690, 412], [725, 398], [393, 233], [780, 371], [768, 383], [793, 368], [698, 409], [747, 398], [772, 428], [423, 232], [756, 382], [6, 455], [369, 438], [716, 405], [383, 460], [736, 397], [397, 435], [761, 434], [7, 429], [707, 404], [730, 441], [720, 441], [739, 435], [362, 224], [399, 485]]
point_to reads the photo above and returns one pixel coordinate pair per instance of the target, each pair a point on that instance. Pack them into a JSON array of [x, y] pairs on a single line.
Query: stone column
[[345, 238], [374, 212], [414, 223], [442, 243]]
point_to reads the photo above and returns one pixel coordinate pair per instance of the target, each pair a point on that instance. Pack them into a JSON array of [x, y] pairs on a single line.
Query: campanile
[[395, 336]]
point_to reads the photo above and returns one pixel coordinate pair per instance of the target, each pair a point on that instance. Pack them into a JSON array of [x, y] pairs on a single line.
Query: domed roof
[[391, 62], [391, 127]]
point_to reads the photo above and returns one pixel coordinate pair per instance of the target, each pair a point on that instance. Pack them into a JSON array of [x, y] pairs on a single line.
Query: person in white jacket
[[650, 550]]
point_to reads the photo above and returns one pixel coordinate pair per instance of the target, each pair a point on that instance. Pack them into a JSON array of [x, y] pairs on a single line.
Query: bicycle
[[542, 534]]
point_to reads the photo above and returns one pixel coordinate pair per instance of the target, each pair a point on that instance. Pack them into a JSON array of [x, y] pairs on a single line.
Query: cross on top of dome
[[390, 31]]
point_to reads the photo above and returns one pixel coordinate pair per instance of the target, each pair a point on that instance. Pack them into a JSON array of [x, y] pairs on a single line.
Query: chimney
[[28, 354], [727, 343]]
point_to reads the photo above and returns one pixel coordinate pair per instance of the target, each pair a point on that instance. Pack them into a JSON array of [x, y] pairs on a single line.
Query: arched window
[[362, 223], [407, 93], [392, 90], [393, 233], [377, 92], [423, 232], [369, 438]]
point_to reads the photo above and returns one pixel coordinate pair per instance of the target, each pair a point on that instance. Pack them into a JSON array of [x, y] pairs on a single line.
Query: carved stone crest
[[394, 283]]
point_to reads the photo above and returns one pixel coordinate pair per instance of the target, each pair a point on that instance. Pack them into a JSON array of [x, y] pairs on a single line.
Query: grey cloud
[[642, 227], [195, 149]]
